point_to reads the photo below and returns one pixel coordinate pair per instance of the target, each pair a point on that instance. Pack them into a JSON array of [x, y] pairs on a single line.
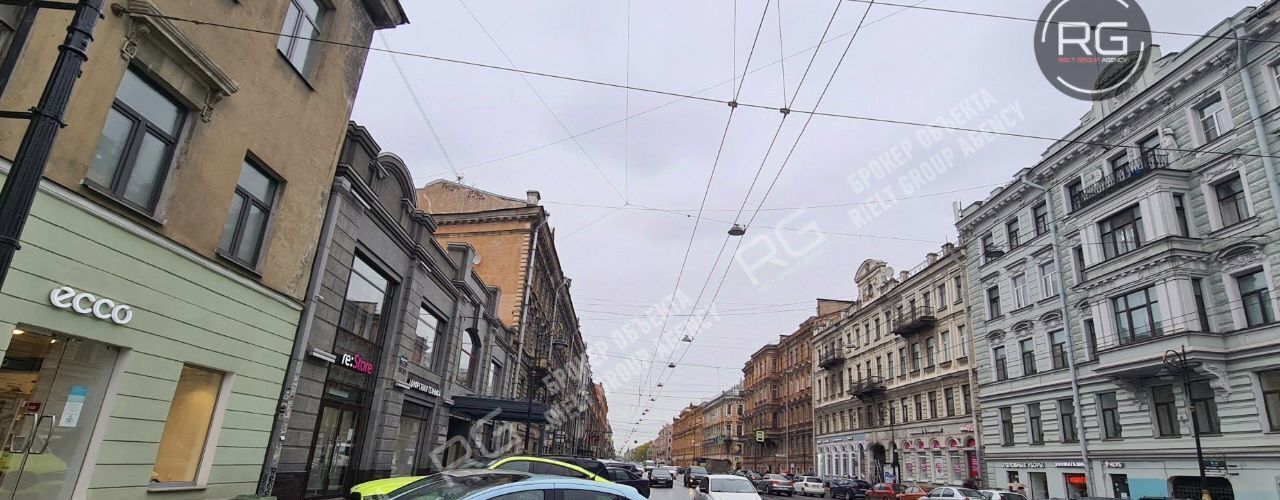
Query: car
[[725, 487], [956, 493], [623, 475], [486, 484], [379, 488], [660, 477], [809, 486], [577, 467], [625, 465], [694, 474], [849, 489], [771, 483], [893, 491], [1002, 495]]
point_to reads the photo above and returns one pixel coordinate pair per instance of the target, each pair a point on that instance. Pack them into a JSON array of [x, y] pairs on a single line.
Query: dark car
[[598, 468], [849, 489], [623, 475], [693, 475], [661, 478]]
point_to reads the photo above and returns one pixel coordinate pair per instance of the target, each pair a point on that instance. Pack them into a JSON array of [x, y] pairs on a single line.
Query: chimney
[[931, 258], [904, 275], [532, 197]]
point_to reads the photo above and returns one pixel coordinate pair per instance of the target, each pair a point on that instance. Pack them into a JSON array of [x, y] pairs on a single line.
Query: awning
[[510, 410]]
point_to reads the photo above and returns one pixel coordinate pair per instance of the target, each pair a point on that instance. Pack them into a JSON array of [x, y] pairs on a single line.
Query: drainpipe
[[341, 187], [975, 410], [1255, 115], [1081, 435]]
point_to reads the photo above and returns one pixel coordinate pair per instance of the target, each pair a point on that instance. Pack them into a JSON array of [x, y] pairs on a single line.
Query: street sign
[[1214, 466], [759, 436]]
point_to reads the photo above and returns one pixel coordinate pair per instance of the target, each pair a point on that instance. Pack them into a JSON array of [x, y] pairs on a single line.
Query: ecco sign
[[65, 297]]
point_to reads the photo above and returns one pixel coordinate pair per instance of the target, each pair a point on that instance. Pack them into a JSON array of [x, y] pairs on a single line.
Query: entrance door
[[51, 390], [333, 454], [1039, 485]]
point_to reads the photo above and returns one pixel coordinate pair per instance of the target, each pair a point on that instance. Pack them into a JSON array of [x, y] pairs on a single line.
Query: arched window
[[467, 358]]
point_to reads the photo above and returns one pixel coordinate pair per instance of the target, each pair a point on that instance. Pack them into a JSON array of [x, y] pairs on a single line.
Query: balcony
[[1142, 357], [1150, 162], [831, 359], [867, 388], [914, 320]]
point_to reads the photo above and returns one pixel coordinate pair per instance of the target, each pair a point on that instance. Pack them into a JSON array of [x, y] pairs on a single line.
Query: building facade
[[660, 452], [686, 437], [402, 357], [893, 381], [722, 428], [153, 303], [517, 248], [762, 393], [598, 441], [1166, 219]]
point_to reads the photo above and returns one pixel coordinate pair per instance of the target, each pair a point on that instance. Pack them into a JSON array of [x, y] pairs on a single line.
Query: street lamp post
[[1177, 361]]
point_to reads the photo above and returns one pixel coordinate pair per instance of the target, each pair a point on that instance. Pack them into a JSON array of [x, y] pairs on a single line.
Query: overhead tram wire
[[422, 110], [710, 179], [763, 161], [834, 71], [708, 99]]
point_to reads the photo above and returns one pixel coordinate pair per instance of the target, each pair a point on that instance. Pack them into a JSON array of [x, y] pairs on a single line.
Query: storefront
[[1132, 479], [839, 455], [130, 364], [927, 454]]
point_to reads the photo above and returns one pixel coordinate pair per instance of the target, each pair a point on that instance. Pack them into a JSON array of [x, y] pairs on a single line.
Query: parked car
[[751, 476], [1002, 495], [771, 484], [849, 489], [623, 475], [956, 493], [725, 487], [477, 484], [577, 467], [891, 491], [809, 486], [694, 474], [661, 477]]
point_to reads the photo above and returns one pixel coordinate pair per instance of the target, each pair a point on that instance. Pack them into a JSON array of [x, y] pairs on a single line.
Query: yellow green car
[[371, 490]]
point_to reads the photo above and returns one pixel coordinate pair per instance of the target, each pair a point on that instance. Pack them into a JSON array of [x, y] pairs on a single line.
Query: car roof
[[540, 481]]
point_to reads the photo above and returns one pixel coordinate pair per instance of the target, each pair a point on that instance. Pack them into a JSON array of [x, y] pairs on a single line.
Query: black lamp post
[[1177, 361]]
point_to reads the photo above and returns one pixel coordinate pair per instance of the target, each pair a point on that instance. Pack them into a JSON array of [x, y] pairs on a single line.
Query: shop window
[[137, 144], [187, 426], [362, 306], [427, 333]]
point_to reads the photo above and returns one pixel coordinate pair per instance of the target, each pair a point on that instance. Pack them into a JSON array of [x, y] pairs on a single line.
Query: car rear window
[[660, 473], [811, 479], [697, 470]]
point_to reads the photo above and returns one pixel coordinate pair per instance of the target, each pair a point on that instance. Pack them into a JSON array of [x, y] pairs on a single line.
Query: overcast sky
[[910, 65]]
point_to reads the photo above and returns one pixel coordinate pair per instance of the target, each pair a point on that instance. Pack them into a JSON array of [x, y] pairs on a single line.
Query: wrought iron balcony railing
[[1149, 162], [914, 320]]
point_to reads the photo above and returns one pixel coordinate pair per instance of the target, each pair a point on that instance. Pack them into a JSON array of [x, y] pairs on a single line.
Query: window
[[949, 400], [362, 307], [1002, 364], [1075, 193], [959, 286], [1040, 216], [1232, 205], [1197, 290], [1077, 260], [942, 296], [1090, 339], [906, 416], [963, 346], [1048, 280], [1058, 349], [467, 358], [878, 328], [246, 225], [988, 243], [902, 359], [1137, 315], [1270, 381], [1120, 165], [1028, 347], [924, 299], [1255, 298], [1011, 232], [1067, 420], [964, 394], [186, 428], [1149, 146], [919, 403], [1006, 426], [427, 334], [889, 362], [915, 356], [946, 346], [1166, 409], [928, 351], [495, 378], [933, 404], [1180, 212], [301, 25], [1212, 114], [1021, 296], [1206, 409], [1035, 428], [1121, 233], [137, 143], [993, 302], [1110, 410]]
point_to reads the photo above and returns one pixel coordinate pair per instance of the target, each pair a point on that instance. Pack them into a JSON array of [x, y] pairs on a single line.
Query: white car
[[809, 486], [726, 487], [1002, 495]]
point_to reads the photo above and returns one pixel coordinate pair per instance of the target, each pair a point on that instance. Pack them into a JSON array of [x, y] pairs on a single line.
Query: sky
[[624, 194]]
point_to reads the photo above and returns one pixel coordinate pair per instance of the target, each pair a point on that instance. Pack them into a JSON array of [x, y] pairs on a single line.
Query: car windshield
[[734, 485], [697, 470], [452, 486], [660, 473]]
